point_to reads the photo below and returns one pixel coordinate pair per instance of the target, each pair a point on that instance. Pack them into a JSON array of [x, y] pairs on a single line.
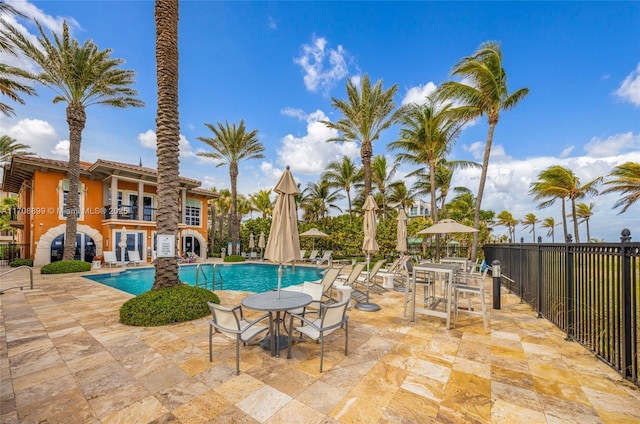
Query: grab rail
[[15, 269], [198, 270]]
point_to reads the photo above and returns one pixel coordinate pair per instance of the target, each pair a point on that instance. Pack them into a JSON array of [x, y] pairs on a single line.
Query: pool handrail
[[213, 276], [15, 269]]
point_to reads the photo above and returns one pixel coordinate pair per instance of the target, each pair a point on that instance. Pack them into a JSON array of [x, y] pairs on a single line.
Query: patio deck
[[64, 358]]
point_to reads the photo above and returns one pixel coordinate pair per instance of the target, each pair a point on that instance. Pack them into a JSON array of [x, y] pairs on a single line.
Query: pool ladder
[[200, 270], [18, 287]]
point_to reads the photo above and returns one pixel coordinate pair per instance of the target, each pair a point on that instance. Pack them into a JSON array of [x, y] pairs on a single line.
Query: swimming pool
[[242, 277]]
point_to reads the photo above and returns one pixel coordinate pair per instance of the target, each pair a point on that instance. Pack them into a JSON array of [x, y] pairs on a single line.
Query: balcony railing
[[130, 213]]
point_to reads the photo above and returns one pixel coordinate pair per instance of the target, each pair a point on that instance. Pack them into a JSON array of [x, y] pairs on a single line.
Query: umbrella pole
[[368, 306], [280, 272]]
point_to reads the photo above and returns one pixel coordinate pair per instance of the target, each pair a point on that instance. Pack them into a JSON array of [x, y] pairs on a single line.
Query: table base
[[281, 343], [367, 307]]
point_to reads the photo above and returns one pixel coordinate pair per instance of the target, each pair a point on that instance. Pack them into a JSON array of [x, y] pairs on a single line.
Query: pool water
[[242, 277]]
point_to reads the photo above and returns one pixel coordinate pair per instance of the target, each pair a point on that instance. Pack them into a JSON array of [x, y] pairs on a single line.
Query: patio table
[[278, 302], [445, 269], [462, 261]]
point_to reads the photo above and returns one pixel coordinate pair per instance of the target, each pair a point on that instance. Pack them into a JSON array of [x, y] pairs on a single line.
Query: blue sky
[[277, 64]]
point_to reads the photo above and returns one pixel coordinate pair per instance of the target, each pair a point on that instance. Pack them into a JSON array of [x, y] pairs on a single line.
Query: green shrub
[[65, 267], [165, 306], [20, 262], [233, 258]]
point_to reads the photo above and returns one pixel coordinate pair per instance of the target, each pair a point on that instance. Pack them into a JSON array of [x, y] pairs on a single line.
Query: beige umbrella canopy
[[401, 235], [447, 226], [123, 243], [314, 233], [283, 245], [261, 242], [369, 245], [252, 242]]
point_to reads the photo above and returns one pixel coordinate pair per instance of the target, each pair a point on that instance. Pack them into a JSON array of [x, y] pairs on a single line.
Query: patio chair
[[329, 277], [134, 257], [110, 258], [331, 318], [326, 257], [351, 280], [471, 290], [231, 323], [427, 283], [368, 278], [314, 290], [302, 253], [312, 256]]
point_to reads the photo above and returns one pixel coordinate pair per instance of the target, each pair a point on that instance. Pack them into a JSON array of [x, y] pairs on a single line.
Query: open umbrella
[[122, 244], [283, 245], [261, 243], [369, 246], [447, 226], [252, 243], [314, 233]]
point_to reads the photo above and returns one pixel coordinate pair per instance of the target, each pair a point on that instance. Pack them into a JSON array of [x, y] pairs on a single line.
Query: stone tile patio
[[64, 358]]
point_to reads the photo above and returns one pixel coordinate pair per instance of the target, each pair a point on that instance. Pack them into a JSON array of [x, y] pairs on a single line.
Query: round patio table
[[278, 302]]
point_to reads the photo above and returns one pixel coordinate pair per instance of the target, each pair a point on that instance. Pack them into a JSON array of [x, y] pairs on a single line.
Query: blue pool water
[[243, 277]]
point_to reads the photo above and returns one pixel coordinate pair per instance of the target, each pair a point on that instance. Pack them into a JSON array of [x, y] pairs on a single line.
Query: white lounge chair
[[326, 257], [134, 257], [110, 258]]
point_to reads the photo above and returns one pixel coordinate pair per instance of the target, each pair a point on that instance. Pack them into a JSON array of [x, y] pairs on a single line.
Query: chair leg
[[210, 347], [321, 350], [484, 311], [346, 338], [238, 354]]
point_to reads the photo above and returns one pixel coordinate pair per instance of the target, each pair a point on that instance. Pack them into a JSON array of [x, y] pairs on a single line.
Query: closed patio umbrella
[[252, 242], [314, 233], [401, 232], [122, 244], [283, 245], [261, 243], [369, 246]]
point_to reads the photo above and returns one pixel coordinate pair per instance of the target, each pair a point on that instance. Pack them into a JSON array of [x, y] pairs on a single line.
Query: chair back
[[333, 315], [302, 253], [376, 267], [134, 256], [313, 255], [109, 256], [226, 320], [356, 270], [329, 277], [314, 290], [326, 256]]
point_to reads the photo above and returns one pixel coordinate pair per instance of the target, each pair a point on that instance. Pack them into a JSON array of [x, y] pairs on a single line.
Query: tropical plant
[[505, 218], [366, 114], [344, 174], [483, 91], [530, 220], [9, 86], [549, 223], [168, 136], [584, 213], [81, 76], [9, 147], [231, 145], [400, 196], [382, 176], [319, 200], [261, 202], [625, 180], [428, 133]]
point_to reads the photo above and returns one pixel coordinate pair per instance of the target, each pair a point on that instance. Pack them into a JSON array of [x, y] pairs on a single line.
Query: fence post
[[627, 295], [495, 273], [570, 289]]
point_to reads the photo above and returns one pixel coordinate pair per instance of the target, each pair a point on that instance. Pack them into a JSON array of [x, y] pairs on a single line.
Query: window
[[192, 212], [63, 189]]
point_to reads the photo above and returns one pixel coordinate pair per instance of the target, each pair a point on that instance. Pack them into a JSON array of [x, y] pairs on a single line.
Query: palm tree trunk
[[213, 226], [483, 179], [349, 202], [233, 218], [564, 220], [586, 221], [76, 119], [575, 219], [168, 135], [366, 151]]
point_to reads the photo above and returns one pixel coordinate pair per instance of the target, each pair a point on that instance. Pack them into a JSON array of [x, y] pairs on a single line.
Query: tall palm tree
[[382, 176], [506, 219], [231, 145], [400, 195], [556, 182], [319, 200], [462, 206], [550, 223], [584, 212], [485, 94], [625, 180], [168, 136], [9, 147], [80, 76], [530, 220], [366, 114], [261, 202], [9, 86], [344, 174], [428, 133]]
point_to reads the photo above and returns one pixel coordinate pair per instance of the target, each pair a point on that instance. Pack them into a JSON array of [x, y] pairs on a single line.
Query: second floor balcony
[[130, 213]]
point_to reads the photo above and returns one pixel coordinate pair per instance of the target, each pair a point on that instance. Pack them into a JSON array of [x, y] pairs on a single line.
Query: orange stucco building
[[118, 205]]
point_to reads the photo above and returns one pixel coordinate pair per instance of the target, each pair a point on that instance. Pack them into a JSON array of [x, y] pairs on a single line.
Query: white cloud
[[612, 145], [294, 113], [149, 140], [323, 66], [38, 134], [62, 149], [311, 153], [418, 94], [629, 90], [273, 24], [566, 152]]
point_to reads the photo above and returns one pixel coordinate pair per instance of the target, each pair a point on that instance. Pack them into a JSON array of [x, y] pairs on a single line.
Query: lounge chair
[[351, 281], [327, 280], [231, 323], [312, 256], [302, 253], [326, 257], [110, 258], [368, 278], [332, 317], [134, 257]]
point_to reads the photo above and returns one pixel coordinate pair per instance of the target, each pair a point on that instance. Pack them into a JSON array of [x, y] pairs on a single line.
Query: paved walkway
[[64, 358]]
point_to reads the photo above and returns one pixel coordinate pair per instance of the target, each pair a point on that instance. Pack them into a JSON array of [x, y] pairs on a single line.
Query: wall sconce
[[107, 242]]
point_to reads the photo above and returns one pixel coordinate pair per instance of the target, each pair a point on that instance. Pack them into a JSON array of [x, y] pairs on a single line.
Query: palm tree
[[81, 76], [168, 136], [261, 202], [530, 220], [400, 195], [344, 174], [559, 182], [584, 213], [549, 223], [429, 132], [625, 180], [318, 200], [9, 147], [506, 219], [9, 86], [485, 94], [382, 176], [462, 206], [367, 113], [232, 145]]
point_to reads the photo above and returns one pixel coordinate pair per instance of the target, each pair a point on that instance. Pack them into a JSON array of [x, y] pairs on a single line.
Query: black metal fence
[[10, 251], [591, 291]]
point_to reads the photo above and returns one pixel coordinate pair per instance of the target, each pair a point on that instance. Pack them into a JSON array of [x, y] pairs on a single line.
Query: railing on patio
[[10, 251], [129, 212], [591, 291]]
